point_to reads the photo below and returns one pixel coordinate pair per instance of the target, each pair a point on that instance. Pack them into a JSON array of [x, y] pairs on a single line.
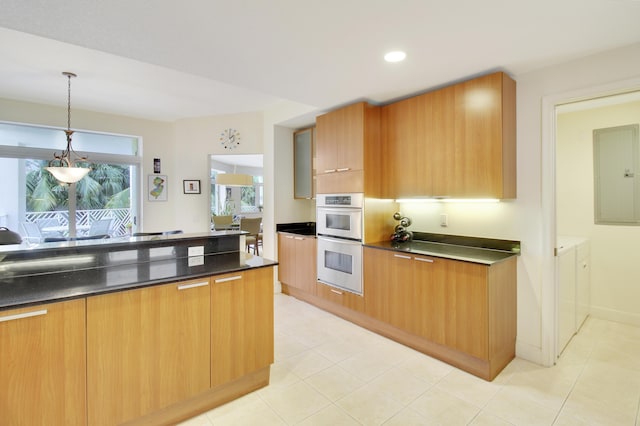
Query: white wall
[[615, 270], [195, 140], [287, 208], [276, 170]]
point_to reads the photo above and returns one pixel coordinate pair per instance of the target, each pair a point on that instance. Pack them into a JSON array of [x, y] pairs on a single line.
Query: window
[[109, 191]]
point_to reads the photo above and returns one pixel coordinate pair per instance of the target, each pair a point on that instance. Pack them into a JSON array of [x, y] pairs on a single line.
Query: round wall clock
[[230, 138]]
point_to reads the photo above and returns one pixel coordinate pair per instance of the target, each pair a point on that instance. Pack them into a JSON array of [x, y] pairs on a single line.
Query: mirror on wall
[[240, 193]]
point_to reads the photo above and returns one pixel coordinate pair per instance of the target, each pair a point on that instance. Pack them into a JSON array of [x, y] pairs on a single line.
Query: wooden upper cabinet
[[458, 141], [43, 372], [348, 150], [404, 154], [485, 136], [442, 150]]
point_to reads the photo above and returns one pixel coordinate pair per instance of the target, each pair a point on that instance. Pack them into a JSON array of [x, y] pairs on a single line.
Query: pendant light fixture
[[63, 167], [234, 179]]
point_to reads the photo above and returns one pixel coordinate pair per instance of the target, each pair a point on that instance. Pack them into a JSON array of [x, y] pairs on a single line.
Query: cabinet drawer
[[340, 297]]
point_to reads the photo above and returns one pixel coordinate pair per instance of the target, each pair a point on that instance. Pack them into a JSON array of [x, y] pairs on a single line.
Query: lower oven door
[[340, 263]]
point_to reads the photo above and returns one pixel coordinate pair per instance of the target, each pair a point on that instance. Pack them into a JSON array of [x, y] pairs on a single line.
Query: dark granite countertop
[[300, 228], [59, 271], [467, 249]]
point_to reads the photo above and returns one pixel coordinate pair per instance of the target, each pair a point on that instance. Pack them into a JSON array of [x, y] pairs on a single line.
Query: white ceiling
[[167, 60]]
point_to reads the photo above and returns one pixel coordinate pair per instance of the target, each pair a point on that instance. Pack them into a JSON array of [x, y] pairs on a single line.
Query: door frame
[[549, 289]]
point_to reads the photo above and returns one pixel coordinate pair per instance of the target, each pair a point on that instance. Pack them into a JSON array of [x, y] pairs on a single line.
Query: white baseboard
[[529, 353], [615, 315]]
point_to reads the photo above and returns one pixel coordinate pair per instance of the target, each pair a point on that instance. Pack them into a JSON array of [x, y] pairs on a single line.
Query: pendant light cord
[[69, 100]]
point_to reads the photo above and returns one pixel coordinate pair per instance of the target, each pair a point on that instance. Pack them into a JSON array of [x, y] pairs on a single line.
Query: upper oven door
[[339, 222]]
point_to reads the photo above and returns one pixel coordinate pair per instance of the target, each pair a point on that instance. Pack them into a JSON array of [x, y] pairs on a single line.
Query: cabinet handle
[[402, 256], [188, 286], [224, 280], [344, 169], [330, 170], [421, 259], [23, 315], [298, 238], [335, 291], [289, 237]]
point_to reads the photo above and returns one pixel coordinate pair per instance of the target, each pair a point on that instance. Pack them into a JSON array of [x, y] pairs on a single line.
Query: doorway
[[571, 183]]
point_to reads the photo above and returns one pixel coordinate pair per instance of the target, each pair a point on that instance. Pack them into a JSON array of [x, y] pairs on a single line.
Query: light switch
[[444, 220]]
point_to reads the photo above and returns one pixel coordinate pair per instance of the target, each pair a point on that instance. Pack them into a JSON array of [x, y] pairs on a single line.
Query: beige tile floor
[[328, 371]]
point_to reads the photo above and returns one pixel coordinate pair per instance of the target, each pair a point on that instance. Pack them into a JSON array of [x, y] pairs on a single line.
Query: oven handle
[[343, 210], [340, 240]]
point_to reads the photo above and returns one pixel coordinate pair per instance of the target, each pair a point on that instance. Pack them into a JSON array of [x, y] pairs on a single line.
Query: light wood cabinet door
[[297, 261], [146, 349], [43, 367], [467, 308], [430, 282], [401, 296], [406, 165], [348, 150], [327, 129], [306, 263], [485, 137], [440, 144], [340, 139], [287, 259], [241, 324], [377, 276]]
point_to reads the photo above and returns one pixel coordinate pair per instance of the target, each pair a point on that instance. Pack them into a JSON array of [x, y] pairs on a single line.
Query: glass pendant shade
[[233, 179], [68, 174]]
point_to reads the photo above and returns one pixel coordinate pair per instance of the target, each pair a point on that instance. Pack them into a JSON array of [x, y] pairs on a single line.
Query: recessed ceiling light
[[395, 56]]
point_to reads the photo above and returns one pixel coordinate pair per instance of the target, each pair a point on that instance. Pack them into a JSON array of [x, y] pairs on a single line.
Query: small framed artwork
[[157, 187], [191, 186]]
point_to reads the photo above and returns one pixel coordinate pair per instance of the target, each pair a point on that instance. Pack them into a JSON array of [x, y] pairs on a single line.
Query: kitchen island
[[148, 330]]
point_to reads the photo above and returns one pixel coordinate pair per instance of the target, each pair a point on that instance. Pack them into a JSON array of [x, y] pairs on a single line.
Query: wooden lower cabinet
[[464, 311], [146, 349], [241, 324], [297, 257], [43, 367]]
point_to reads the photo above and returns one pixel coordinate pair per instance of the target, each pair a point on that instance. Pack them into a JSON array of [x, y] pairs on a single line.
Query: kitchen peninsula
[[139, 330]]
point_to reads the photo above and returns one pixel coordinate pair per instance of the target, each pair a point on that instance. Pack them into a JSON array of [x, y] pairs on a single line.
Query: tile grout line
[[566, 398]]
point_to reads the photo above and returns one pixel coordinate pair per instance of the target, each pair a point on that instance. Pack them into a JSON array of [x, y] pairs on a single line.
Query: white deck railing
[[121, 218]]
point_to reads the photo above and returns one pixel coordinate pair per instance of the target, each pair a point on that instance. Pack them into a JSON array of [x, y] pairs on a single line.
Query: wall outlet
[[196, 251], [444, 220], [195, 260]]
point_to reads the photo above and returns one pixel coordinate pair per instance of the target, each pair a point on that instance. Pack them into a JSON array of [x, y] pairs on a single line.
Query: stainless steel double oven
[[339, 227]]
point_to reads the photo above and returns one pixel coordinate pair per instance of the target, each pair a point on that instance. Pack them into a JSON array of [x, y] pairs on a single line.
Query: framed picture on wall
[[191, 186], [157, 187]]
